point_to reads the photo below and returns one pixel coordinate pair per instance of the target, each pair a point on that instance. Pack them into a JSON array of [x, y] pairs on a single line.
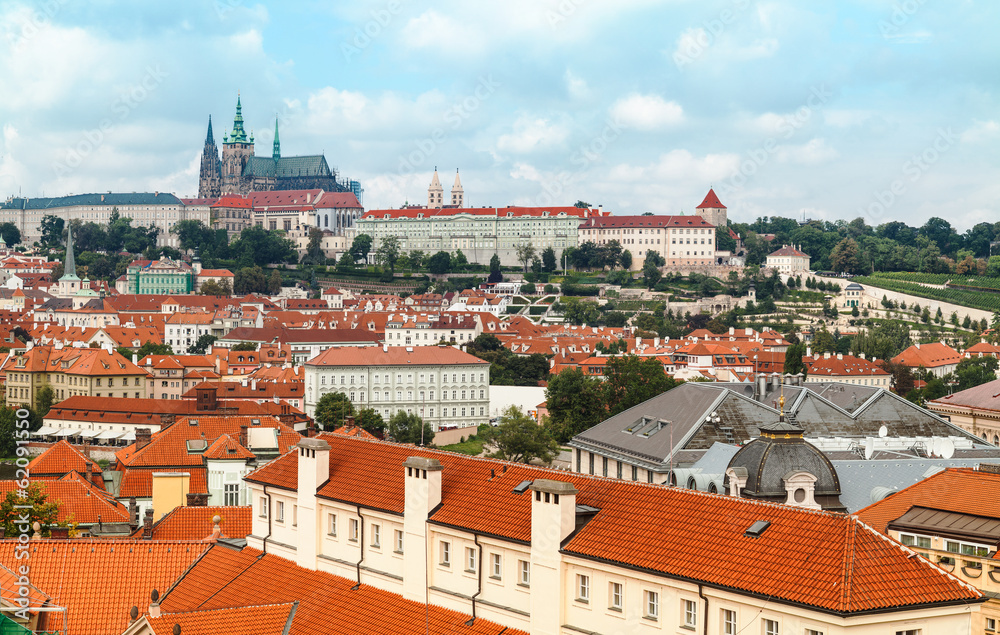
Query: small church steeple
[[276, 152], [238, 135], [435, 193], [457, 193]]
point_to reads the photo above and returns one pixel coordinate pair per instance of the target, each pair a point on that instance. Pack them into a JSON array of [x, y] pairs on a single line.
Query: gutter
[[479, 580], [264, 547], [704, 624], [361, 532]]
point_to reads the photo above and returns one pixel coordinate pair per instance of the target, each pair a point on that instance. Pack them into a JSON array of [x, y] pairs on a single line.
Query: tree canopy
[[519, 438]]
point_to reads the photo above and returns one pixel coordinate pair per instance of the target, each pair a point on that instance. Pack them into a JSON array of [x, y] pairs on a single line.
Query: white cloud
[[431, 30], [846, 118], [812, 152], [678, 166], [576, 86], [646, 112], [757, 49], [981, 131], [532, 133]]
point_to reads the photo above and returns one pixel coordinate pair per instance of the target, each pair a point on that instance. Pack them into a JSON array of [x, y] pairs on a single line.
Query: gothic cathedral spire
[[276, 152], [209, 139], [210, 176]]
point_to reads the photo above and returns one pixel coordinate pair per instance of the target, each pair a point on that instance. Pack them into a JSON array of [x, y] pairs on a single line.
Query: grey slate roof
[[111, 198], [828, 409]]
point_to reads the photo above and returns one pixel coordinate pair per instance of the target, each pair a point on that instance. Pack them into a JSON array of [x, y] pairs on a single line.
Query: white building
[[554, 553], [788, 259], [478, 232], [146, 209], [682, 241], [446, 387]]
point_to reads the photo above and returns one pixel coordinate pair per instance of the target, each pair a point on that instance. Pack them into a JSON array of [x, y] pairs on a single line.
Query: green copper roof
[[288, 167], [238, 135], [111, 198], [276, 152]]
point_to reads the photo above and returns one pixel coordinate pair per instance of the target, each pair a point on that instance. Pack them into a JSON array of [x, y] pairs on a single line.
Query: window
[[911, 540], [604, 466], [771, 627], [398, 540], [635, 473], [352, 532], [690, 614], [496, 566], [376, 536], [812, 631], [446, 554], [524, 573], [331, 524], [615, 599], [231, 494], [263, 507], [471, 560], [991, 624], [728, 622], [651, 605], [582, 588], [912, 631]]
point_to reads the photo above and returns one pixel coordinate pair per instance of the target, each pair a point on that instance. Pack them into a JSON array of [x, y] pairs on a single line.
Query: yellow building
[[95, 372]]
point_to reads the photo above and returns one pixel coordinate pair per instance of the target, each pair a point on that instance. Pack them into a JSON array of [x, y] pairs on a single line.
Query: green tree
[[314, 248], [11, 234], [625, 259], [410, 428], [901, 376], [793, 360], [245, 346], [331, 410], [524, 252], [346, 263], [495, 273], [549, 263], [439, 263], [580, 311], [258, 246], [459, 261], [519, 438], [575, 403], [211, 287], [274, 282], [630, 380], [975, 371], [147, 349], [52, 228], [935, 389], [201, 346], [361, 247], [417, 259], [250, 280], [42, 510], [388, 253], [371, 421], [44, 398]]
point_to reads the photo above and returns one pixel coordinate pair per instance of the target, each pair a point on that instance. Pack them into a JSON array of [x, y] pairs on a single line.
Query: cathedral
[[240, 171]]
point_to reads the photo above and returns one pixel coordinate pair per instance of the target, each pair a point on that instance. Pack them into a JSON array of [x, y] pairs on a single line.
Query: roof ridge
[[848, 564], [229, 608]]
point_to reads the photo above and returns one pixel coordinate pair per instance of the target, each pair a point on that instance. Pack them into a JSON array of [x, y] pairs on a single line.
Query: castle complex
[[240, 171]]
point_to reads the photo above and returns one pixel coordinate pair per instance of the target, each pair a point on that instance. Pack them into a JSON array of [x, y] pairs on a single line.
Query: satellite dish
[[947, 448], [883, 431], [869, 448]]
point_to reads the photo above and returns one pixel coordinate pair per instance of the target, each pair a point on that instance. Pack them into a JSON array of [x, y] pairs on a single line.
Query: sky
[[828, 110]]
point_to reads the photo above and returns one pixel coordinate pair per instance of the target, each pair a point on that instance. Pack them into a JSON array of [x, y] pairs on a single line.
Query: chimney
[[761, 385], [553, 519], [313, 471], [917, 345], [840, 356], [59, 533], [147, 524], [133, 514], [90, 469], [197, 500], [775, 381], [142, 438], [422, 493], [135, 359], [243, 436]]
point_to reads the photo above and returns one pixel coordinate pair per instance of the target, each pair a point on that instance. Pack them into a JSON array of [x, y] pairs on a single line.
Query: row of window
[[376, 379]]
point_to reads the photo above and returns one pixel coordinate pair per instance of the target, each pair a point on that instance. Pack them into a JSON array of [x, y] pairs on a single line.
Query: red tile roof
[[98, 581], [929, 355], [601, 222], [226, 448], [138, 482], [711, 200], [247, 620], [552, 212], [819, 559], [982, 397], [788, 250], [327, 604], [61, 458], [195, 523], [958, 490], [79, 501], [394, 356], [843, 366]]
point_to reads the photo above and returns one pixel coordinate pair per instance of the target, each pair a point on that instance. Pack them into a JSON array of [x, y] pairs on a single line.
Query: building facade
[[147, 209], [683, 241], [446, 387], [476, 232], [788, 259], [553, 553], [165, 276]]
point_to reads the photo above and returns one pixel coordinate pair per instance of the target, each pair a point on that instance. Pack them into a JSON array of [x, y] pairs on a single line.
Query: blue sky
[[833, 110]]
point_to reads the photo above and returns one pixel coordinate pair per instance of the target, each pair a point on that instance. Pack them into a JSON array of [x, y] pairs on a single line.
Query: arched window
[[996, 440], [326, 220]]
